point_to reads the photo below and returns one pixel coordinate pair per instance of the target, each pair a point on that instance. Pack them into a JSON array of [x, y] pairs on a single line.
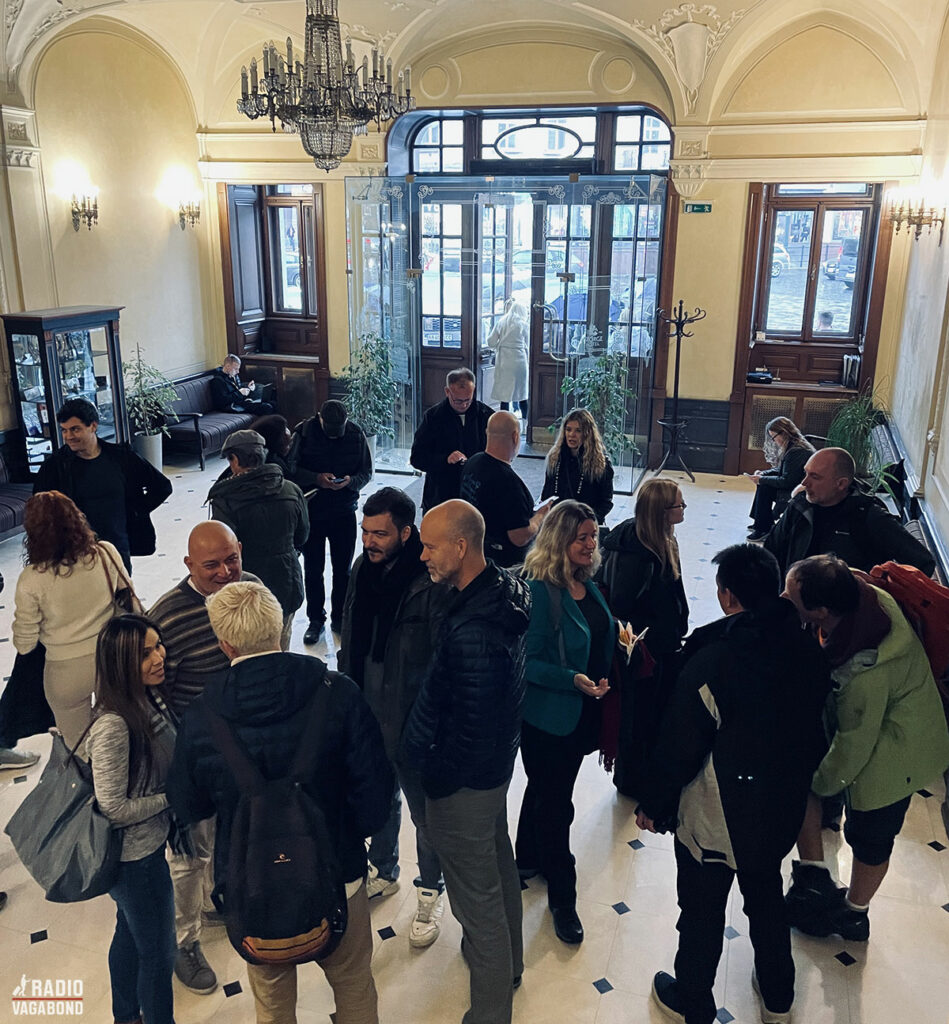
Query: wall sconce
[[916, 210], [190, 212], [85, 208]]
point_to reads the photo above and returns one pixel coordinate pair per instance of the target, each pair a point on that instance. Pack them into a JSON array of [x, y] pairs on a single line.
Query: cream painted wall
[[708, 275], [337, 280], [120, 112]]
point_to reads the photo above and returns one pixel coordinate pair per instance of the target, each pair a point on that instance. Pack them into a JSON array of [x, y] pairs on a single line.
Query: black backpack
[[284, 896]]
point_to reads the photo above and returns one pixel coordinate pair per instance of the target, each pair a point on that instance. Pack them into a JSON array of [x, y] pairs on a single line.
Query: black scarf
[[379, 591]]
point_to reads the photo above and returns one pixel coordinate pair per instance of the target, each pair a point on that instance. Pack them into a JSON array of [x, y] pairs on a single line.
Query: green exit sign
[[697, 207]]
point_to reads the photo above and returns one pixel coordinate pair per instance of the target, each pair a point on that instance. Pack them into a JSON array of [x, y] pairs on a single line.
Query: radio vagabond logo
[[48, 997]]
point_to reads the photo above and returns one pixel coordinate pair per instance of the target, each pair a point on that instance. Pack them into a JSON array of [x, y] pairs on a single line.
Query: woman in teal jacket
[[570, 646]]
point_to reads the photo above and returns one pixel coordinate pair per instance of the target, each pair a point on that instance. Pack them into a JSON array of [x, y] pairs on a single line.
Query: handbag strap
[[119, 574]]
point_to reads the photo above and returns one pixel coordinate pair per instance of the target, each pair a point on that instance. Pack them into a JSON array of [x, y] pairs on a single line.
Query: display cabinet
[[58, 354]]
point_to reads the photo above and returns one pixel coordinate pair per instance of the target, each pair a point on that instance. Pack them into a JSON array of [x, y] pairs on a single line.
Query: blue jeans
[[142, 954], [384, 845]]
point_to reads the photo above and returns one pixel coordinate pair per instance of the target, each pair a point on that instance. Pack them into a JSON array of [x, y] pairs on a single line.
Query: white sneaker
[[377, 886], [768, 1016], [425, 927], [17, 758]]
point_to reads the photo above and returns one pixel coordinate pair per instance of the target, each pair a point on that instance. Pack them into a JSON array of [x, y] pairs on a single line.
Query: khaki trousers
[[347, 969]]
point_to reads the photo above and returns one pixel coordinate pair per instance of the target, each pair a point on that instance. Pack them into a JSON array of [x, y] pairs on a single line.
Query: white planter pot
[[149, 447]]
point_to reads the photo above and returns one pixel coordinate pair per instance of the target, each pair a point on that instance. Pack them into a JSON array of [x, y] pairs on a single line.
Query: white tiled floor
[[902, 974]]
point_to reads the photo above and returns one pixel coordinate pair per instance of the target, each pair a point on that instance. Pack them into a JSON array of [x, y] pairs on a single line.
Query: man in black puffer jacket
[[463, 735], [265, 698]]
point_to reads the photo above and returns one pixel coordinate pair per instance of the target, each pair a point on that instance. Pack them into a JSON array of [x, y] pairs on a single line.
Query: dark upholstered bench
[[199, 424], [13, 499]]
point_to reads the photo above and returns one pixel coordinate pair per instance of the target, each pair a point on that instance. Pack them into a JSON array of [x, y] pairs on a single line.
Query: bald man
[[192, 660], [490, 484], [462, 736], [831, 516]]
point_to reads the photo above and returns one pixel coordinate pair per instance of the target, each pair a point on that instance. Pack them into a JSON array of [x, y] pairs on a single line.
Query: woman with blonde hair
[[643, 583], [578, 466], [510, 339], [787, 449], [570, 644], [64, 596]]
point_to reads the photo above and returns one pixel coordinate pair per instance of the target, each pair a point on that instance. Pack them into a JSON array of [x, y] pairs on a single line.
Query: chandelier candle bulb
[[365, 71], [244, 83], [375, 62], [389, 73], [253, 75], [408, 80], [349, 52], [290, 53]]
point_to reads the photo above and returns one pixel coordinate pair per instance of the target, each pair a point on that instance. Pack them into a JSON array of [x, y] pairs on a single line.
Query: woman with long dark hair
[[64, 596], [578, 466], [643, 582], [130, 746], [787, 449], [570, 645]]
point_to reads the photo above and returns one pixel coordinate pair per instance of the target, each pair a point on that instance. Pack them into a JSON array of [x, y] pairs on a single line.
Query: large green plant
[[370, 390], [149, 395], [852, 429], [600, 387]]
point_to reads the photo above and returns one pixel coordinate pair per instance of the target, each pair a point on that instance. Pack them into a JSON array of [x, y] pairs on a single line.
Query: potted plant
[[600, 387], [852, 429], [149, 395], [370, 391]]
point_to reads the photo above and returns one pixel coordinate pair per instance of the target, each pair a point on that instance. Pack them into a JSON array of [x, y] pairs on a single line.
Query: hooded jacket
[[265, 700], [465, 726], [866, 535], [740, 738], [889, 733], [269, 516]]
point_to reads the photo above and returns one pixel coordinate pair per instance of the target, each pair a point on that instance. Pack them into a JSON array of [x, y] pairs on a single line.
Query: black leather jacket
[[465, 726]]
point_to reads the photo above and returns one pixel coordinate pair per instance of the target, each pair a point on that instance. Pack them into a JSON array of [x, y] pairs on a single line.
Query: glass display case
[[58, 354]]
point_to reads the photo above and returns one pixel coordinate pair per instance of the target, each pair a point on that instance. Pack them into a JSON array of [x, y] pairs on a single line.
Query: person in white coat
[[511, 340]]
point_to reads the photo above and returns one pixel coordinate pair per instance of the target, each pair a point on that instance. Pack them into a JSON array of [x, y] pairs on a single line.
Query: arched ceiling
[[697, 47]]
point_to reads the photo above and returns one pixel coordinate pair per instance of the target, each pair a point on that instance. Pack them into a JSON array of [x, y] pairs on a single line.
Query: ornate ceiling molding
[[690, 35]]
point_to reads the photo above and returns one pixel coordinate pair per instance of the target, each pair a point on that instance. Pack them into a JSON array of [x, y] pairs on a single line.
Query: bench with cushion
[[199, 424], [13, 499]]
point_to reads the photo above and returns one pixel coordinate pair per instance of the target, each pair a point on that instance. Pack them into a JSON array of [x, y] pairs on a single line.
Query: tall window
[[441, 275], [292, 252], [814, 269]]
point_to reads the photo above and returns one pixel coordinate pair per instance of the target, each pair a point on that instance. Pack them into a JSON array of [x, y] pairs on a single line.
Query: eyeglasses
[[681, 505]]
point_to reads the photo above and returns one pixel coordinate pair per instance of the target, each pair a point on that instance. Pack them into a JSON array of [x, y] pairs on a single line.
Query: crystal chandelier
[[326, 99]]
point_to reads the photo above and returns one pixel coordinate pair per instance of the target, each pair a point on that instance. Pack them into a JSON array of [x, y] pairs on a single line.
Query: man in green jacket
[[887, 733], [269, 516]]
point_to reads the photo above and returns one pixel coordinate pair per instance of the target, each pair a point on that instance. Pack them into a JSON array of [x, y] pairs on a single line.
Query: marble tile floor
[[626, 878]]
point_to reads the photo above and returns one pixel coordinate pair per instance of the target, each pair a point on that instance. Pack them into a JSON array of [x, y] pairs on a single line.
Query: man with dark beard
[[390, 617]]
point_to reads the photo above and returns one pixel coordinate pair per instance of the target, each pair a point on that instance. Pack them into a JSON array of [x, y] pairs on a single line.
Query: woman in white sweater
[[64, 597], [130, 746]]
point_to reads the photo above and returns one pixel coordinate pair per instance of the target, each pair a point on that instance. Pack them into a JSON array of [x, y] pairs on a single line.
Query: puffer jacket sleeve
[[368, 774], [189, 795]]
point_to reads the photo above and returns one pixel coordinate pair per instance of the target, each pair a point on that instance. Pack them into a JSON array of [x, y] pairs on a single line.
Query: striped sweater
[[192, 655]]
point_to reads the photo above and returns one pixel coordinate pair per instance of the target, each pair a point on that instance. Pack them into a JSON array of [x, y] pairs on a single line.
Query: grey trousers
[[469, 832]]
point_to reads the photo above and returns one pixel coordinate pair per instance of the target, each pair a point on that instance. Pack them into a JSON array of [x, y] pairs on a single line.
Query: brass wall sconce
[[190, 212], [916, 210], [85, 208]]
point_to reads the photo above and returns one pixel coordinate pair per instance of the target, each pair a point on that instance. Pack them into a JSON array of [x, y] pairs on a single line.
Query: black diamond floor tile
[[621, 908], [636, 844], [723, 1016], [924, 793], [19, 778], [39, 936], [386, 933], [845, 958], [232, 988], [730, 933], [602, 986], [936, 845]]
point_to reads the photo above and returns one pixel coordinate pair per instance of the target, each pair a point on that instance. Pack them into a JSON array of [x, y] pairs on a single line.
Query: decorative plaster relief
[[19, 156], [688, 178], [369, 151], [16, 131], [689, 35], [693, 149], [13, 12]]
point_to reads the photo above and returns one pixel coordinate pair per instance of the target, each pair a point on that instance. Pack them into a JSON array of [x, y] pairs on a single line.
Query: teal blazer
[[552, 702]]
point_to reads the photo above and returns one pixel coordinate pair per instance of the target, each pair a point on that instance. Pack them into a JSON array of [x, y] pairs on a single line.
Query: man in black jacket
[[730, 775], [230, 394], [115, 488], [449, 434], [263, 698], [390, 619], [831, 517], [462, 735], [330, 458]]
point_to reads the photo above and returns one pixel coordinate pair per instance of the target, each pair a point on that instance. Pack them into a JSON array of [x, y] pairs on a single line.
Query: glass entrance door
[[435, 263]]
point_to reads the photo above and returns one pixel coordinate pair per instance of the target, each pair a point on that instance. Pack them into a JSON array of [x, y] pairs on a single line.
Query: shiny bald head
[[214, 557], [453, 543], [504, 436]]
